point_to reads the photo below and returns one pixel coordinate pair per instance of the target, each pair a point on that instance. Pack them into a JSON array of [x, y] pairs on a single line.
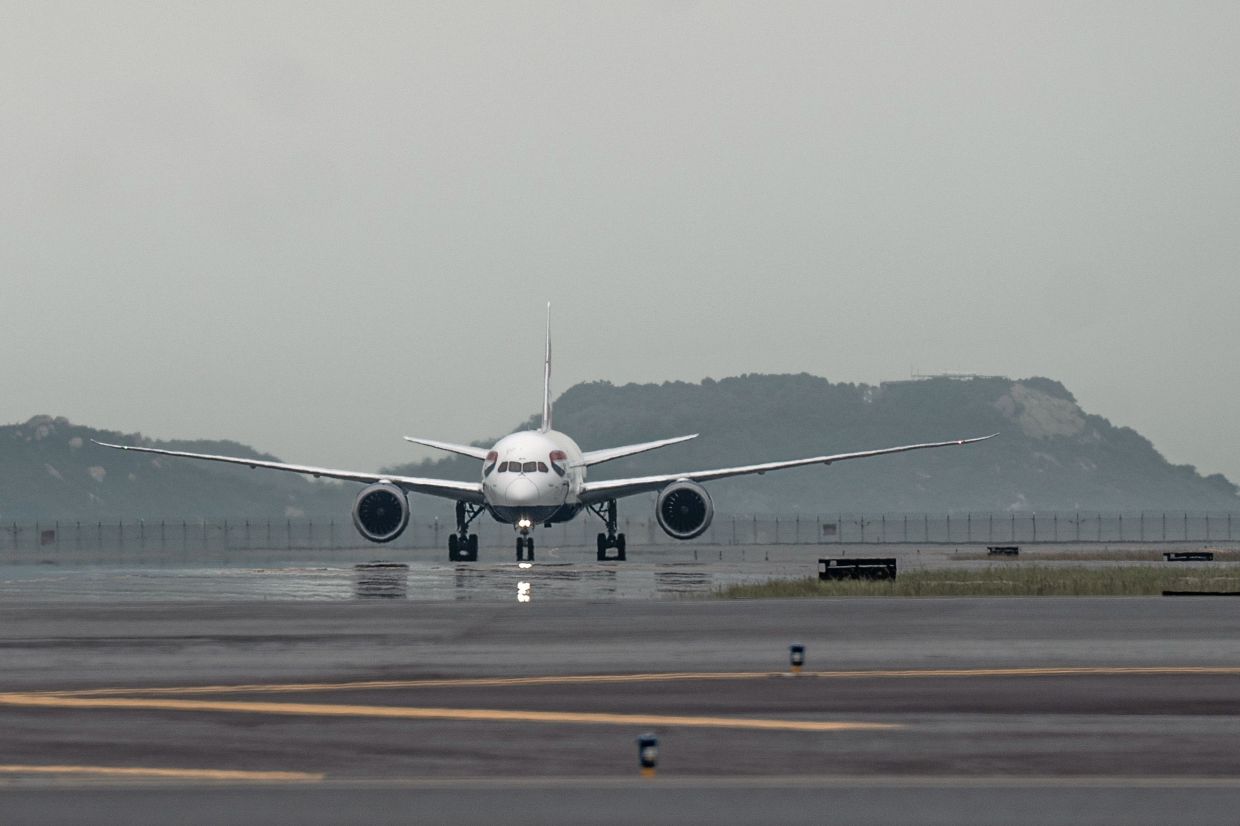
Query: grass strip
[[1001, 581]]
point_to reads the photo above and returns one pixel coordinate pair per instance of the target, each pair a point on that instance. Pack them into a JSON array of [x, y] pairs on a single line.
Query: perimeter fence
[[197, 535]]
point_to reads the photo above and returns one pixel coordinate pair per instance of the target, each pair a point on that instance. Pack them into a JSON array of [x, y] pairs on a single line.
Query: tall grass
[[999, 581]]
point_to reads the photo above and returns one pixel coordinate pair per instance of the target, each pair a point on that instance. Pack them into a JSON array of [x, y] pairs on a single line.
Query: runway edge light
[[796, 657], [648, 753]]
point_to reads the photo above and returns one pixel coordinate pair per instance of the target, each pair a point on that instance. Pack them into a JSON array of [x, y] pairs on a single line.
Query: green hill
[[50, 470], [1050, 455]]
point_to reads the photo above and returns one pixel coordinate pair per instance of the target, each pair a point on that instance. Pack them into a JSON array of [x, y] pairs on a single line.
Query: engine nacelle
[[684, 510], [381, 512]]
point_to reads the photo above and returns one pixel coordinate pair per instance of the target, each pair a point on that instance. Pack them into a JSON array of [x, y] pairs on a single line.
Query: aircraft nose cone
[[521, 492]]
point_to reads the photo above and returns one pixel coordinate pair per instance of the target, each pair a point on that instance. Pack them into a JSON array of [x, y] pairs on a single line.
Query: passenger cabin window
[[529, 467]]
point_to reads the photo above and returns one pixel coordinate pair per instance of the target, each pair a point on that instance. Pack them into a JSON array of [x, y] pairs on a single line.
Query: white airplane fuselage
[[533, 477]]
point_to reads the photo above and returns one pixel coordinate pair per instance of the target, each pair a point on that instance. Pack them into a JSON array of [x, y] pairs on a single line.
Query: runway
[[960, 711]]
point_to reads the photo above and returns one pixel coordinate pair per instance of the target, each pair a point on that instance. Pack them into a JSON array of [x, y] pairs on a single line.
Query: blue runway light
[[796, 657], [648, 753]]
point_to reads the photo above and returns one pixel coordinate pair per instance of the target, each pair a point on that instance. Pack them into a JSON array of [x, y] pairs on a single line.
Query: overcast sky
[[317, 227]]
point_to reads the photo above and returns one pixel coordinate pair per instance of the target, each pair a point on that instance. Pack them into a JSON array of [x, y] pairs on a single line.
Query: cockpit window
[[489, 463], [558, 459], [503, 467], [542, 468], [529, 467]]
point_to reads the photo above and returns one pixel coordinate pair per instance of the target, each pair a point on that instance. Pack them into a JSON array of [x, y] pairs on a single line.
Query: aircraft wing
[[467, 491], [592, 492]]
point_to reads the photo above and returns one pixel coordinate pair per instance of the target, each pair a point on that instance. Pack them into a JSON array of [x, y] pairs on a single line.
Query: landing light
[[524, 523]]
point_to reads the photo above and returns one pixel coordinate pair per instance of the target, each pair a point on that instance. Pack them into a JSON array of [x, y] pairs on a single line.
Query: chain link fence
[[172, 535]]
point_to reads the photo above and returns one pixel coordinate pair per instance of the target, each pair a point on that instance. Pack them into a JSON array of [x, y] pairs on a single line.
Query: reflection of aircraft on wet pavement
[[539, 477]]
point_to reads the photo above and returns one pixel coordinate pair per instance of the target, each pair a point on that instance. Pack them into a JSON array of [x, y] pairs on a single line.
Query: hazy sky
[[317, 227]]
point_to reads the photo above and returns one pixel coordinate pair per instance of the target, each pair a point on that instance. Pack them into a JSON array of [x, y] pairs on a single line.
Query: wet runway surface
[[651, 573], [253, 709]]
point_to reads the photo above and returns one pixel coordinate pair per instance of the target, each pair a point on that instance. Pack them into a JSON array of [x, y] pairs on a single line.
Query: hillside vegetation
[[1050, 455], [50, 470]]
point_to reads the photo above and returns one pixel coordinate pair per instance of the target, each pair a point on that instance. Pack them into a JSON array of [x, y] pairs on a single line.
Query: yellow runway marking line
[[673, 676], [419, 713], [136, 772]]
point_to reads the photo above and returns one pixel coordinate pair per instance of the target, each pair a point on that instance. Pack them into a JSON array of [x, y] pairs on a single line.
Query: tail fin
[[546, 420]]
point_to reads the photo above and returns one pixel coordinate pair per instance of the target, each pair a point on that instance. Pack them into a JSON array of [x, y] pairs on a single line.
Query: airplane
[[538, 477]]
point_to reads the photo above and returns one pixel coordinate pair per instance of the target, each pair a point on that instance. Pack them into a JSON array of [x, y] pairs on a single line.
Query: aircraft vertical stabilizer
[[546, 420]]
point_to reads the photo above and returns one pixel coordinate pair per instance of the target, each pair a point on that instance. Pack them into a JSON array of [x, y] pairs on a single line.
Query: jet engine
[[684, 509], [381, 512]]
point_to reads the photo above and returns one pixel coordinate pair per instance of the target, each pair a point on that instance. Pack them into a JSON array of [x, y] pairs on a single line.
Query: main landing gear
[[463, 545], [611, 539], [525, 545]]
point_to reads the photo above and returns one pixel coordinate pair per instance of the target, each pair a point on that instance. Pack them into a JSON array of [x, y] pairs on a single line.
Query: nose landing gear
[[611, 539], [525, 545], [463, 545]]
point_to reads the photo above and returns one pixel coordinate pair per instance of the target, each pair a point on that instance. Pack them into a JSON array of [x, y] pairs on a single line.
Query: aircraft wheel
[[454, 548], [620, 547], [602, 547], [473, 545]]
